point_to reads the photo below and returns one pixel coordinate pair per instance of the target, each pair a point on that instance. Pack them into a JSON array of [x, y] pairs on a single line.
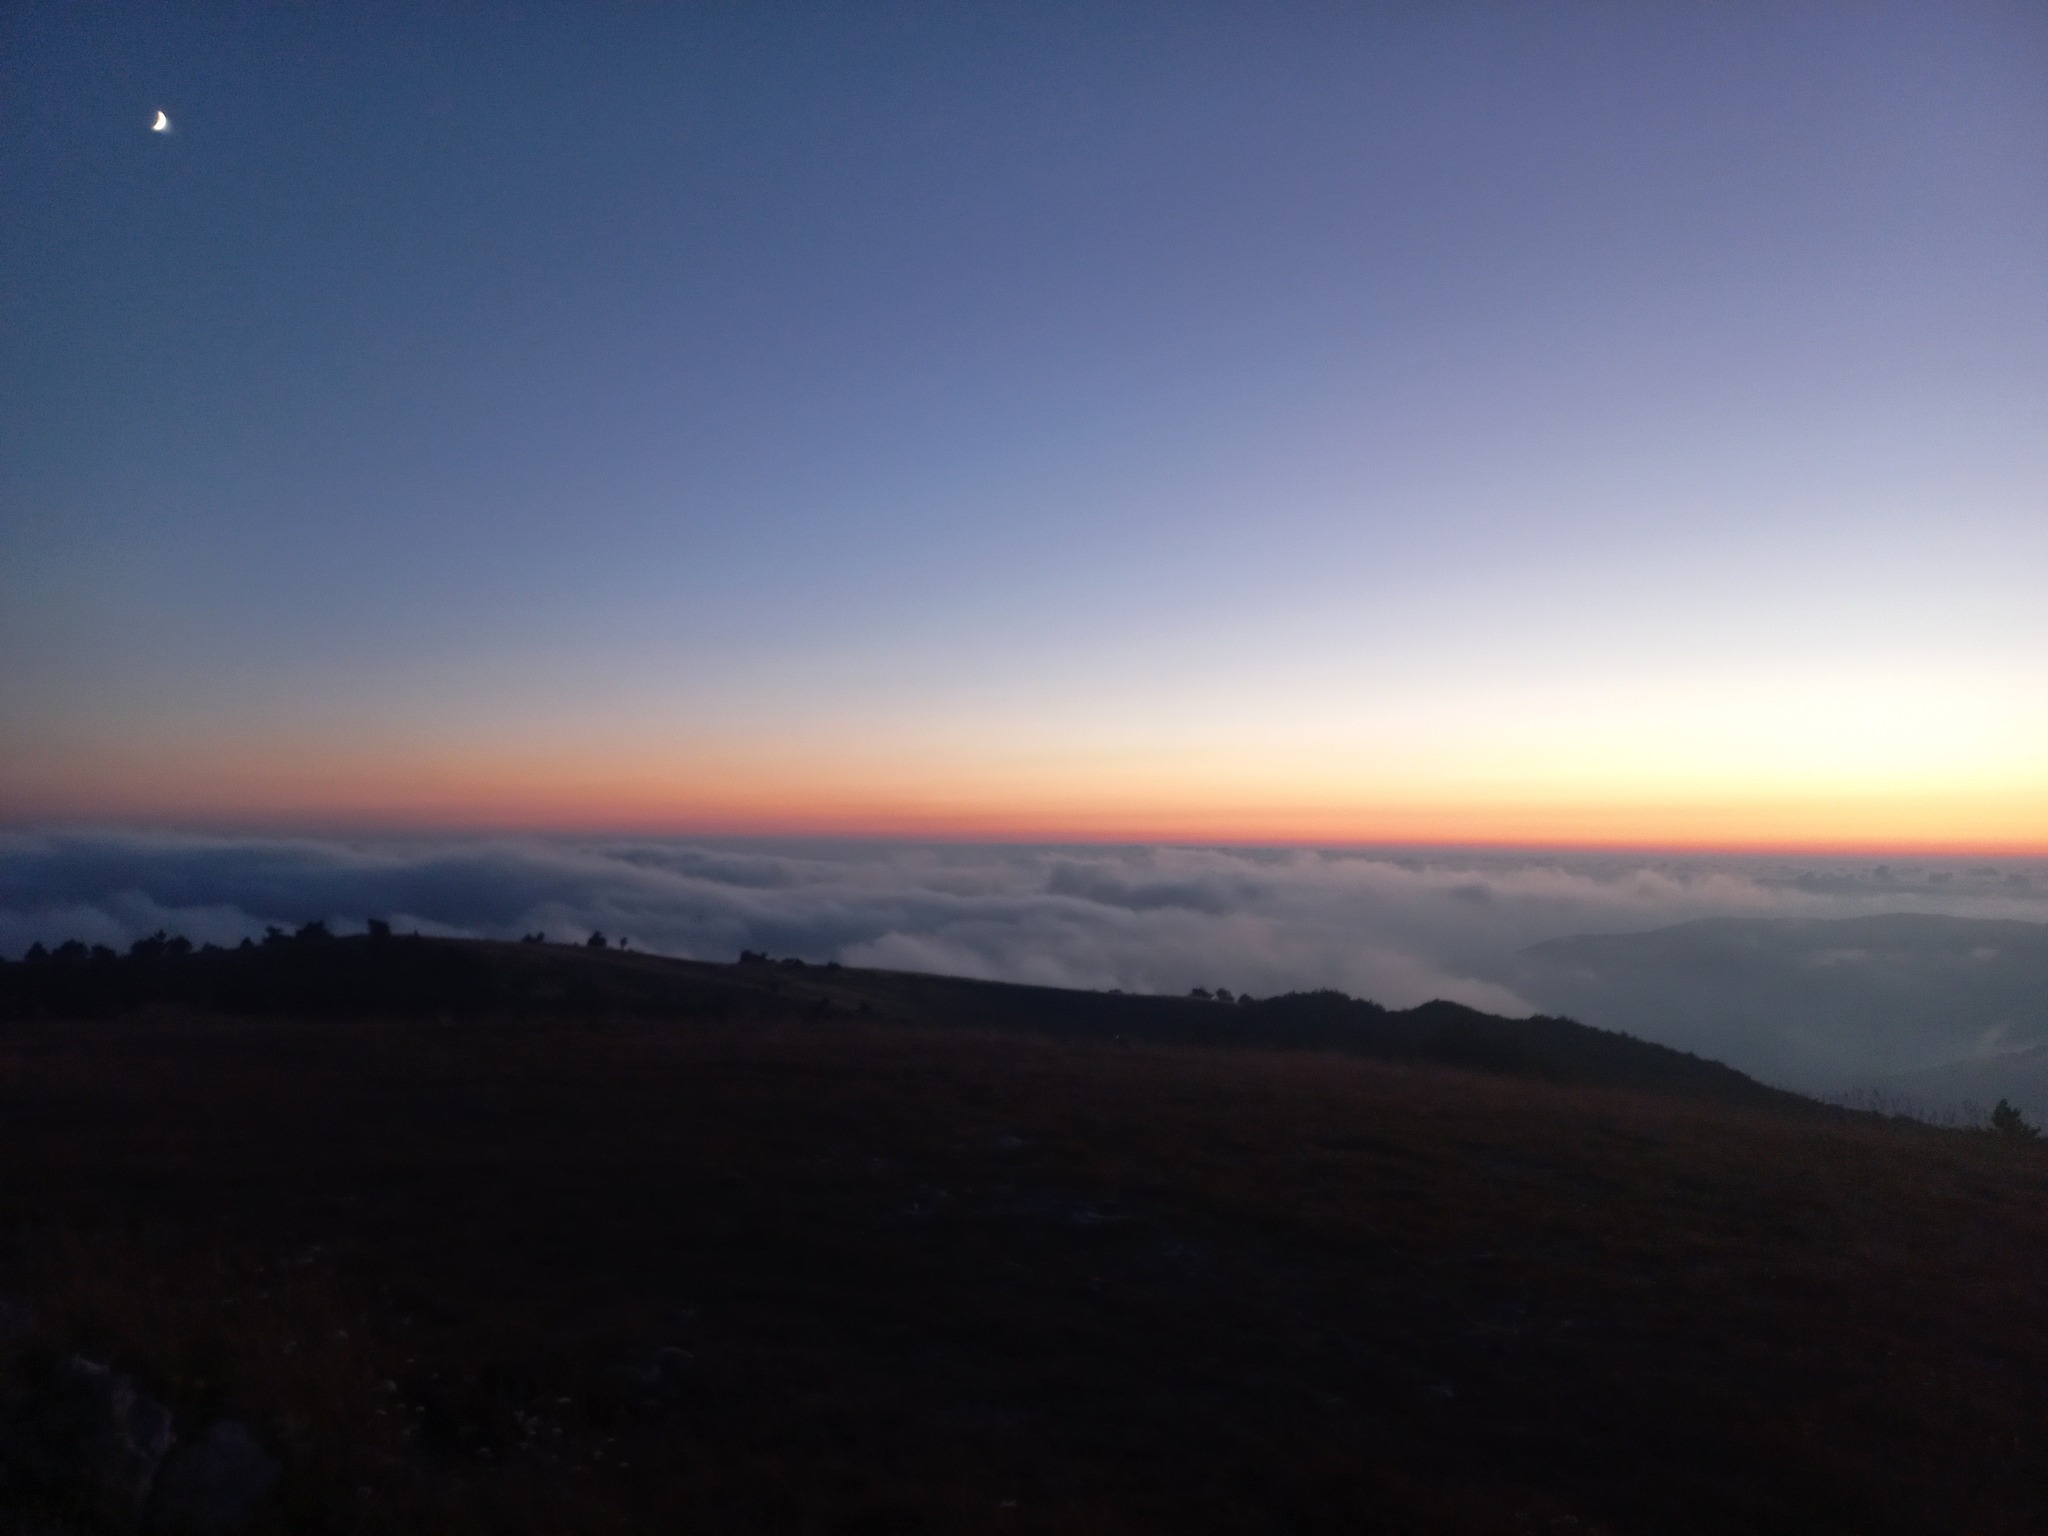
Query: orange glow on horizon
[[1566, 792], [2011, 824]]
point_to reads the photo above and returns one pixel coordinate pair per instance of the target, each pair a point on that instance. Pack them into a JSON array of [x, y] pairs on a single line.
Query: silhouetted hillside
[[314, 974], [331, 1237]]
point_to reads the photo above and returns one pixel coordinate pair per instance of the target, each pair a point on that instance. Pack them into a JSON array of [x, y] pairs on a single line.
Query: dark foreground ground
[[816, 1271]]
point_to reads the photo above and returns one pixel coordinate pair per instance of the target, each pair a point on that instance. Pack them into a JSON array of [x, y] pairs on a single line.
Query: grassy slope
[[417, 976], [935, 1276]]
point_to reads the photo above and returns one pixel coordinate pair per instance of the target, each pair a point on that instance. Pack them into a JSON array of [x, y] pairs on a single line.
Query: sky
[[1550, 424]]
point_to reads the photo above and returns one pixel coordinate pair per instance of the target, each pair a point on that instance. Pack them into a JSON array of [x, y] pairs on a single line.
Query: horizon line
[[388, 830]]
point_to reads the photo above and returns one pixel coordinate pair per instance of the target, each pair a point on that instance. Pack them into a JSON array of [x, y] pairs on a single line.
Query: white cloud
[[1396, 926]]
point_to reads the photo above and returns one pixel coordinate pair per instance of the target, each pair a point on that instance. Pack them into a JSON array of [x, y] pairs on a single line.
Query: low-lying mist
[[1784, 996]]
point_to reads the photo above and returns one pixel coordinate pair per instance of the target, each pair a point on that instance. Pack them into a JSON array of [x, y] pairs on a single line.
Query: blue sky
[[1351, 422]]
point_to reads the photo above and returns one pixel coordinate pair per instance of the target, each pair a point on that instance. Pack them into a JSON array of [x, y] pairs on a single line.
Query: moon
[[162, 123]]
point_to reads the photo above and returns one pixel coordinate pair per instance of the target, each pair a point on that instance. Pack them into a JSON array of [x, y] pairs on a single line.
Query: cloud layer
[[1821, 1006], [1400, 927]]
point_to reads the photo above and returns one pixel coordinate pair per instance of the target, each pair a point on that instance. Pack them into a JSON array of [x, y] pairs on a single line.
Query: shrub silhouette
[[2008, 1121]]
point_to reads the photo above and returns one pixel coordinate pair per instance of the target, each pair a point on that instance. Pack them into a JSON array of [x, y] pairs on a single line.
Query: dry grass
[[934, 1279]]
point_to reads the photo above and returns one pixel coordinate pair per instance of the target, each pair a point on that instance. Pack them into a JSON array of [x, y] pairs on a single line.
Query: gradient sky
[[1593, 423]]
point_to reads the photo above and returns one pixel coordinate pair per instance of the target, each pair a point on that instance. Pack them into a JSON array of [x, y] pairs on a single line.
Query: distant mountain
[[1823, 1006], [315, 975]]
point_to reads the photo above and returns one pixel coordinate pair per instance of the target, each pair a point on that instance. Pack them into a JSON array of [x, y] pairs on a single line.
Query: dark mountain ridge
[[314, 973]]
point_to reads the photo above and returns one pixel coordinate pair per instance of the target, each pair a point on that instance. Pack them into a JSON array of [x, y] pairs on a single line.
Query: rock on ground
[[212, 1484]]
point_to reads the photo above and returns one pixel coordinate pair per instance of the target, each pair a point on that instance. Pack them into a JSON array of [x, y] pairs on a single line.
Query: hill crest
[[316, 973]]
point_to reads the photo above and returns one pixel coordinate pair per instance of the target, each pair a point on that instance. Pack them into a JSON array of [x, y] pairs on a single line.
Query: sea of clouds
[[1396, 926]]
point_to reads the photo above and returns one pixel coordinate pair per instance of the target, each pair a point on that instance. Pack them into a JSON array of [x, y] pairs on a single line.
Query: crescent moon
[[162, 123]]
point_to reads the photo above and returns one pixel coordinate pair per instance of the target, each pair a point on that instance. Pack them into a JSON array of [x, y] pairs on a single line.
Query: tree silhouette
[[2006, 1120]]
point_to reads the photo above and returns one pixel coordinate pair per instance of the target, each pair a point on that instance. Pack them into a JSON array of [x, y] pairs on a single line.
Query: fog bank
[[1399, 926]]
